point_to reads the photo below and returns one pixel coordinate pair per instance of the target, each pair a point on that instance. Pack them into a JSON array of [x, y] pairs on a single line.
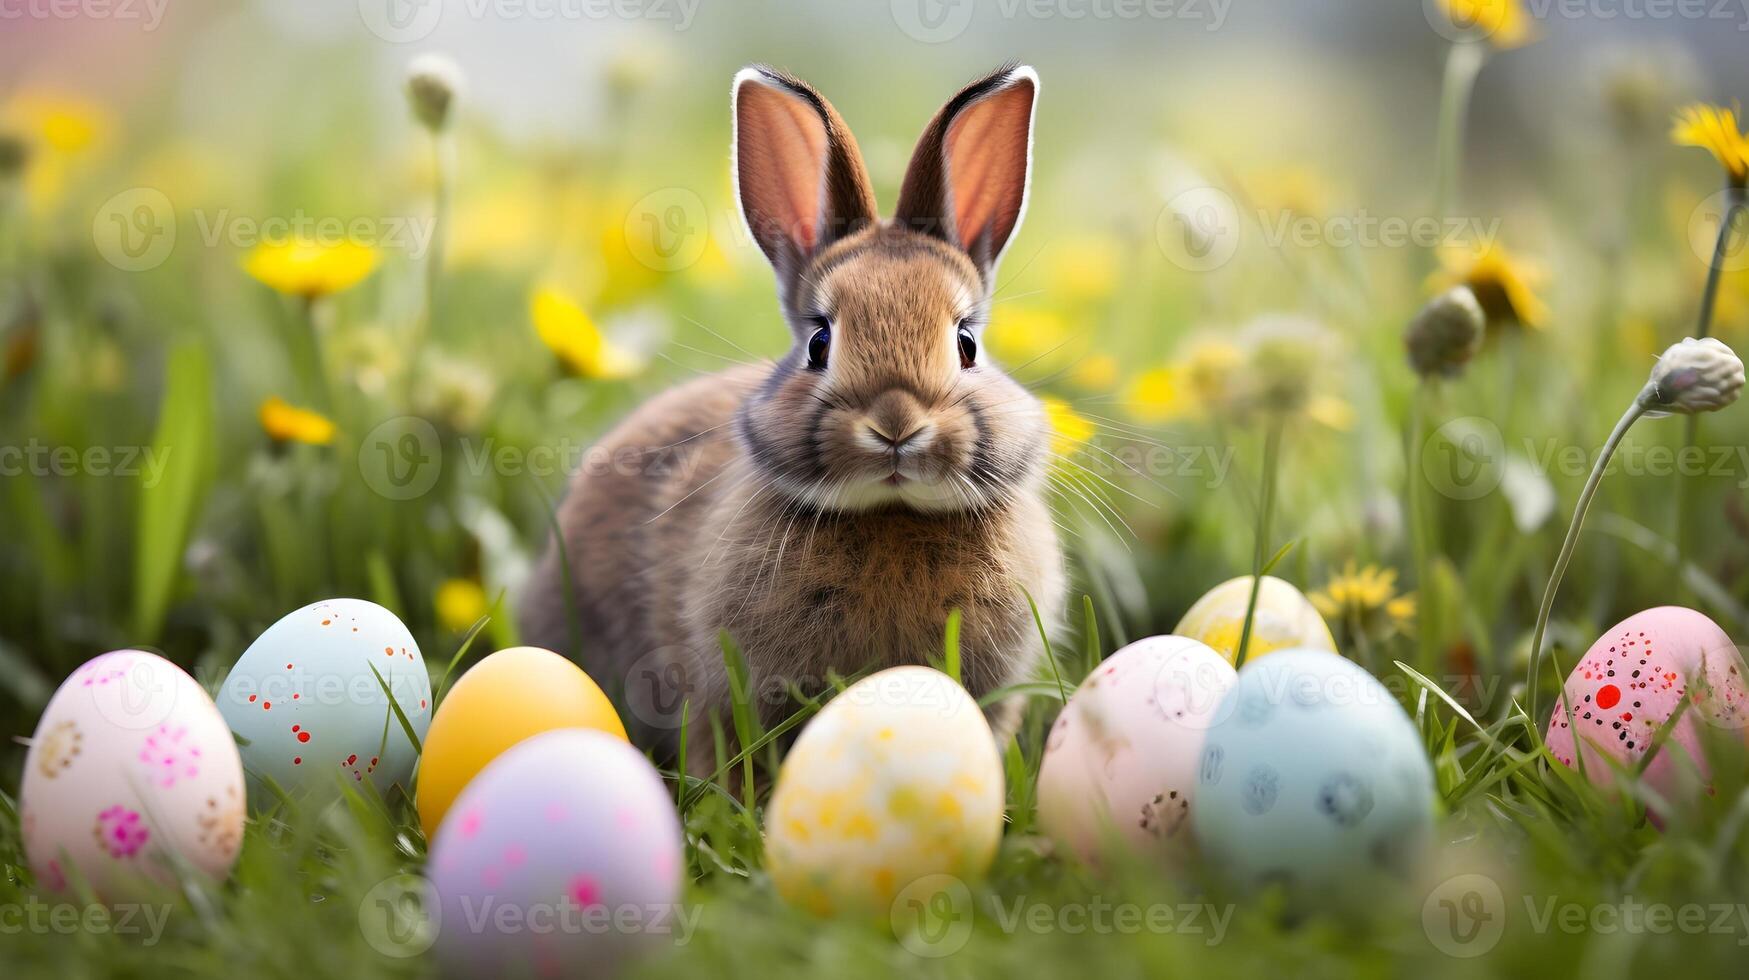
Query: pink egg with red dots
[[131, 774], [563, 857], [308, 702], [1634, 678]]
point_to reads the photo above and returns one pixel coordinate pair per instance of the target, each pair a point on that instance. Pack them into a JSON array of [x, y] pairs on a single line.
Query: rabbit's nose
[[898, 437]]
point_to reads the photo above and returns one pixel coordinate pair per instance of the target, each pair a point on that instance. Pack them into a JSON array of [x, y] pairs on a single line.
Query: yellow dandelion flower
[[1289, 190], [64, 124], [1331, 412], [1504, 23], [1069, 430], [309, 268], [503, 227], [626, 273], [1359, 595], [460, 603], [573, 337], [1027, 337], [1504, 284], [1160, 395], [284, 422], [1098, 372], [1211, 369], [58, 133], [1714, 129]]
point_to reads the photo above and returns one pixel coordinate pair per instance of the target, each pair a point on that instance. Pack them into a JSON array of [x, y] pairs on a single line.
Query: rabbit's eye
[[818, 345], [968, 347]]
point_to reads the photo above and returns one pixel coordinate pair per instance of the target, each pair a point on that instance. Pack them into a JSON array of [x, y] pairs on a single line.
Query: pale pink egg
[[131, 771], [1121, 761], [1634, 678]]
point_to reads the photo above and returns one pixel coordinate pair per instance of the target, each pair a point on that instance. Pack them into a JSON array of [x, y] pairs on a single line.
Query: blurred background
[[268, 339]]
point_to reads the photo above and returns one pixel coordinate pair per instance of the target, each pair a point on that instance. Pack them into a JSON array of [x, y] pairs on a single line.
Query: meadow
[[337, 341]]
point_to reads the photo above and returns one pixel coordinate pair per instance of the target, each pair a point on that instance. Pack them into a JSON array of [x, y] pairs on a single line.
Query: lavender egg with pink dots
[[564, 854]]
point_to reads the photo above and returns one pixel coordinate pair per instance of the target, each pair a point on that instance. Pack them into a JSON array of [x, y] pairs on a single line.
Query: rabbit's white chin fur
[[925, 495]]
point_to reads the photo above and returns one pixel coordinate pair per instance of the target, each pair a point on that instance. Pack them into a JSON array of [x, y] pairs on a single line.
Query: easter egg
[[1314, 777], [896, 779], [130, 772], [563, 857], [500, 701], [1634, 678], [306, 701], [1120, 762], [1284, 618]]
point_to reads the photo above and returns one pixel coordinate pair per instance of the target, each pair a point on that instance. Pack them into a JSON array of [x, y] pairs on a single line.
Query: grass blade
[[183, 444], [395, 708]]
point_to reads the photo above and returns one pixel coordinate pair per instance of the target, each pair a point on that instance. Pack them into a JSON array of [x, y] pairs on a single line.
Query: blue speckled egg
[[310, 711], [1314, 778]]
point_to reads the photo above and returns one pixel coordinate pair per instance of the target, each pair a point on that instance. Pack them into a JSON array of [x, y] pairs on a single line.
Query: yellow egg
[[505, 698], [897, 781], [1285, 618]]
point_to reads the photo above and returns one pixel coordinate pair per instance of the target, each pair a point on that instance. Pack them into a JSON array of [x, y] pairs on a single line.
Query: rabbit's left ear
[[968, 178]]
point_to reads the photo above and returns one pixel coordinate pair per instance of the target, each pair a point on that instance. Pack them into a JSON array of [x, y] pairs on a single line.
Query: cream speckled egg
[[1284, 618], [896, 779], [130, 767], [1314, 777], [310, 708], [1120, 762], [1634, 678]]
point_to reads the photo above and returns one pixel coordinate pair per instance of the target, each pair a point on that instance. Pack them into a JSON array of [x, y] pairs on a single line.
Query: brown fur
[[758, 501]]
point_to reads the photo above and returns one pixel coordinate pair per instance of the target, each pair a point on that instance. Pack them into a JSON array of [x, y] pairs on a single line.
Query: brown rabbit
[[827, 511]]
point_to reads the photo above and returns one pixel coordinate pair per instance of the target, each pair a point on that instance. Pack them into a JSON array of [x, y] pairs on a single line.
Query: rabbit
[[828, 510]]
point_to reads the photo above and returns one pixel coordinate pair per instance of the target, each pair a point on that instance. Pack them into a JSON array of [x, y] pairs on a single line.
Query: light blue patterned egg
[[309, 710], [1314, 778]]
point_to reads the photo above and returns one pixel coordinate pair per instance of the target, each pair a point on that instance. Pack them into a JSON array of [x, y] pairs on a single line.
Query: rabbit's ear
[[968, 177], [798, 175]]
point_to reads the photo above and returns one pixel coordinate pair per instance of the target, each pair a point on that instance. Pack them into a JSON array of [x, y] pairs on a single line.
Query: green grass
[[305, 899]]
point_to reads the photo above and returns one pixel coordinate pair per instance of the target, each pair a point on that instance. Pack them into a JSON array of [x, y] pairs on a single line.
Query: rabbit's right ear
[[799, 177]]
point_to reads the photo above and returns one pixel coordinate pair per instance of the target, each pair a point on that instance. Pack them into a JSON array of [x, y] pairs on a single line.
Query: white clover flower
[[1694, 376], [434, 84]]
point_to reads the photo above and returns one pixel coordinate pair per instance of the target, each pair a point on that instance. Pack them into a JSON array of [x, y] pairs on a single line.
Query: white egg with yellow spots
[[895, 780], [1284, 619]]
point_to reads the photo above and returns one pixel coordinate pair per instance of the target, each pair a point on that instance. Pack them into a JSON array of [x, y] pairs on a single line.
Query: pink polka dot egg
[[563, 856], [1633, 679], [131, 773]]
